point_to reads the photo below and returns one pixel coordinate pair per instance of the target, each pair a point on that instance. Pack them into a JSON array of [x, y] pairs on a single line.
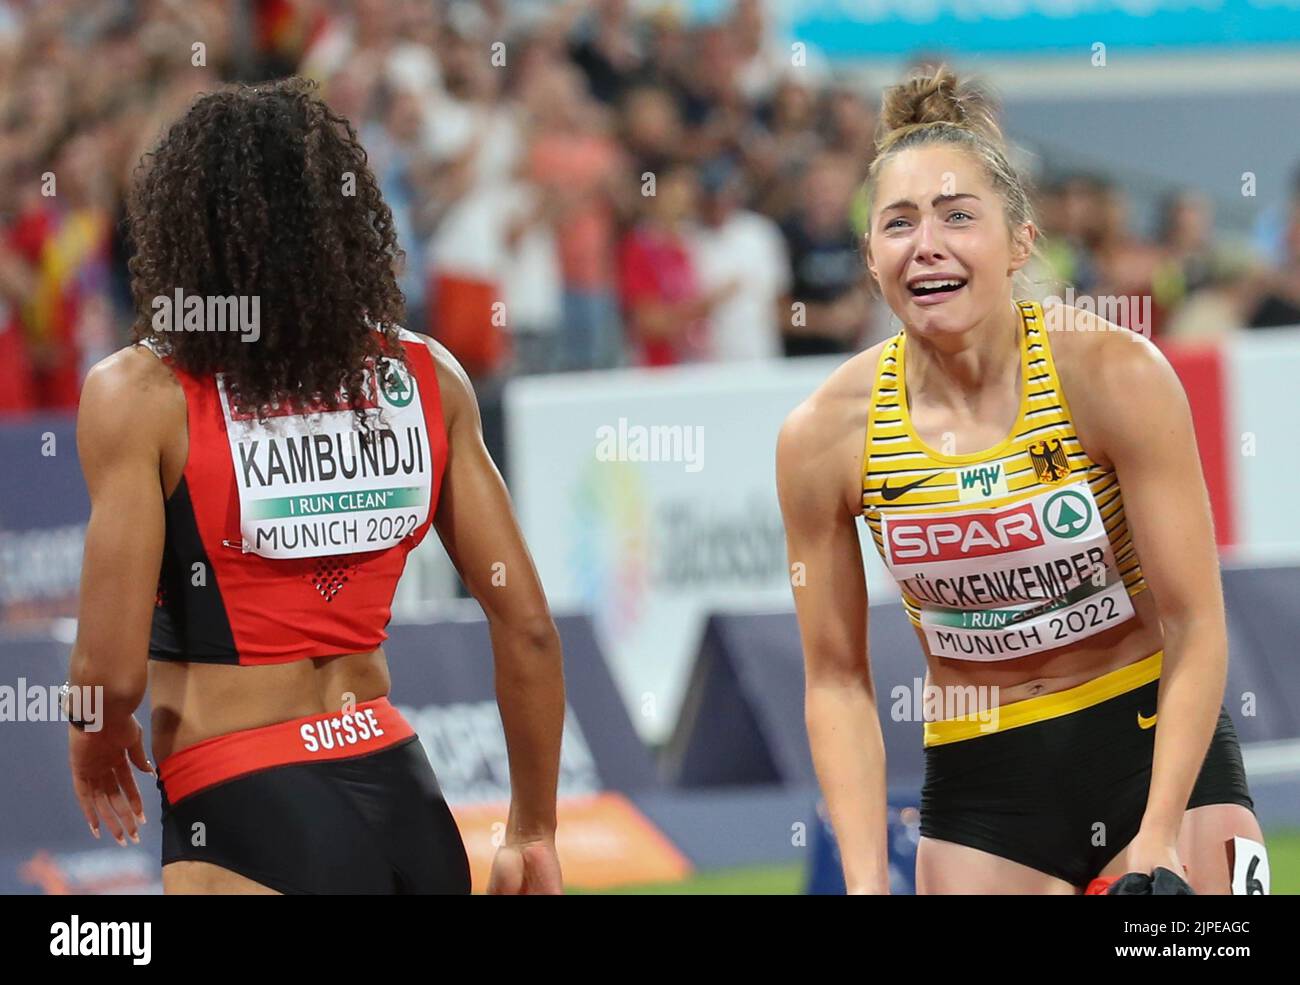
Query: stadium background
[[610, 211]]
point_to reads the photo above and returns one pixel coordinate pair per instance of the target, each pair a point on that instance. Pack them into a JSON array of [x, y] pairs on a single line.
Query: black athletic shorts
[[336, 803], [1060, 784]]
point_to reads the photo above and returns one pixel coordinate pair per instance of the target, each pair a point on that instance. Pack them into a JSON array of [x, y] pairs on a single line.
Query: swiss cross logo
[[954, 537]]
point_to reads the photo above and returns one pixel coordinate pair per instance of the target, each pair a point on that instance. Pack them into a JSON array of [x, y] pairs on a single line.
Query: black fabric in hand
[[1162, 883]]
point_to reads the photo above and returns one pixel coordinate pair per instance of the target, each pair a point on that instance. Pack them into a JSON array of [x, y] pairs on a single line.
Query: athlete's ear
[[1022, 245], [871, 260]]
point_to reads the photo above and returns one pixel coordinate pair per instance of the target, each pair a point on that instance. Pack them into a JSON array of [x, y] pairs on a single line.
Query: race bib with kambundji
[[1005, 582], [311, 484]]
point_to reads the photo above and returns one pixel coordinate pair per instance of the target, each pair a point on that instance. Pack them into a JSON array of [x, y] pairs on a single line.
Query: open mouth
[[936, 290]]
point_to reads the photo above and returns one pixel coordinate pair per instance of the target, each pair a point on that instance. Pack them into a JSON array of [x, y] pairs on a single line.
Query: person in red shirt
[[665, 308], [15, 372]]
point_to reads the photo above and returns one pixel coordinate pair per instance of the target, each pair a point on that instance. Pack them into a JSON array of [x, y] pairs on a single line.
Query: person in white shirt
[[735, 247]]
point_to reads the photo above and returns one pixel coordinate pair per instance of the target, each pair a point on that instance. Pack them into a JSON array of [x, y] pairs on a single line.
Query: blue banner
[[43, 512], [845, 29]]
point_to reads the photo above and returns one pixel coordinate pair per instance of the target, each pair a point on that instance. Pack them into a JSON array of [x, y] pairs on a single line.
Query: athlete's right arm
[[127, 402], [477, 525], [819, 445]]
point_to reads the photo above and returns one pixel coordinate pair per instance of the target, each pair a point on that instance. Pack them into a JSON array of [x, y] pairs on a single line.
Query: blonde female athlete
[[1032, 482], [253, 500]]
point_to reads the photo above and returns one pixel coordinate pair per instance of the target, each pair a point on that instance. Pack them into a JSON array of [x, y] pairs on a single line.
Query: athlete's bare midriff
[[1053, 670], [191, 702]]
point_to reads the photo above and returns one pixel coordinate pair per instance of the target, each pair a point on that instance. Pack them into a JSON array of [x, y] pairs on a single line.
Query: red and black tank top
[[286, 538]]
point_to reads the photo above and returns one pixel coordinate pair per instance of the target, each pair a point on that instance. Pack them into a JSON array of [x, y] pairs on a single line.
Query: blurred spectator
[[475, 138], [740, 256], [512, 140], [393, 141], [663, 301], [608, 51], [1126, 266], [1269, 233], [363, 30], [1280, 300], [62, 235], [781, 153], [15, 373], [1221, 305], [828, 307], [762, 59], [670, 60], [720, 117], [652, 130], [1072, 226], [573, 158], [532, 286], [1185, 234], [851, 126]]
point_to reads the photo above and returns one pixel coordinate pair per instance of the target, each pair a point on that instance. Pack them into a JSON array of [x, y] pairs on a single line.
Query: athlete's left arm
[[1136, 415], [476, 522]]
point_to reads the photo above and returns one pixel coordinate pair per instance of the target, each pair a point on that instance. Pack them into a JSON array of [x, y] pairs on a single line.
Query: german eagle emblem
[[1049, 460]]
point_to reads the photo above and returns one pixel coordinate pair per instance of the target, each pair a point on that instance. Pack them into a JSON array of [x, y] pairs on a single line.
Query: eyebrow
[[907, 203]]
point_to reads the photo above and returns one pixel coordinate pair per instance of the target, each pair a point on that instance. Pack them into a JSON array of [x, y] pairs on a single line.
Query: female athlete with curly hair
[[260, 464]]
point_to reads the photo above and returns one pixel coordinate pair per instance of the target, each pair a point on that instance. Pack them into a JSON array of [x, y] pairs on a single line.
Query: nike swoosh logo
[[888, 494], [1144, 722]]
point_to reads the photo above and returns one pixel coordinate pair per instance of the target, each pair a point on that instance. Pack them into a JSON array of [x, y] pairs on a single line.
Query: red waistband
[[369, 727]]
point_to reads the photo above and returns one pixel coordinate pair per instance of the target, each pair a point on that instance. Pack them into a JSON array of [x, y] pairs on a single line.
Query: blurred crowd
[[576, 185]]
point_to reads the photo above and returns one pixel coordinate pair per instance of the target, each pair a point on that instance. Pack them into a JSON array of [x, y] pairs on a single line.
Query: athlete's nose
[[928, 243]]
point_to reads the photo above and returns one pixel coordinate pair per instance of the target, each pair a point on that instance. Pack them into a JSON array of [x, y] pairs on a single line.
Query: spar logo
[[395, 383], [955, 537], [1067, 514]]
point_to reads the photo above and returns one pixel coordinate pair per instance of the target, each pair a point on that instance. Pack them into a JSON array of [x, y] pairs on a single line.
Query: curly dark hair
[[262, 191]]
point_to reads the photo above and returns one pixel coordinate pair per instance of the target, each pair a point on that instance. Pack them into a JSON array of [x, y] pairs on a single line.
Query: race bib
[[1248, 863], [994, 584], [311, 484]]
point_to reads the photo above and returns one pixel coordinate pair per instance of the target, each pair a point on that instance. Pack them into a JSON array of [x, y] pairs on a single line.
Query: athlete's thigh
[[1202, 848], [188, 878], [943, 867], [1202, 844]]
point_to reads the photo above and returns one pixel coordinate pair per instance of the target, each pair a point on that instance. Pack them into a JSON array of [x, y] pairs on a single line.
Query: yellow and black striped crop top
[[1016, 549]]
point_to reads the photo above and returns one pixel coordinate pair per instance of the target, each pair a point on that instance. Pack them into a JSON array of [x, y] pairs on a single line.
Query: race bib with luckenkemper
[[1021, 578]]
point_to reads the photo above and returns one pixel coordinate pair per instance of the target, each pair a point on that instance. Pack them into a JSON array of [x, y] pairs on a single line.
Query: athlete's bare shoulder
[[129, 400], [136, 375], [821, 440], [453, 383], [1102, 368], [137, 365]]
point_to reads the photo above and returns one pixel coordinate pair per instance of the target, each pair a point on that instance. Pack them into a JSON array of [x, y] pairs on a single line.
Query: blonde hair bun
[[936, 96]]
